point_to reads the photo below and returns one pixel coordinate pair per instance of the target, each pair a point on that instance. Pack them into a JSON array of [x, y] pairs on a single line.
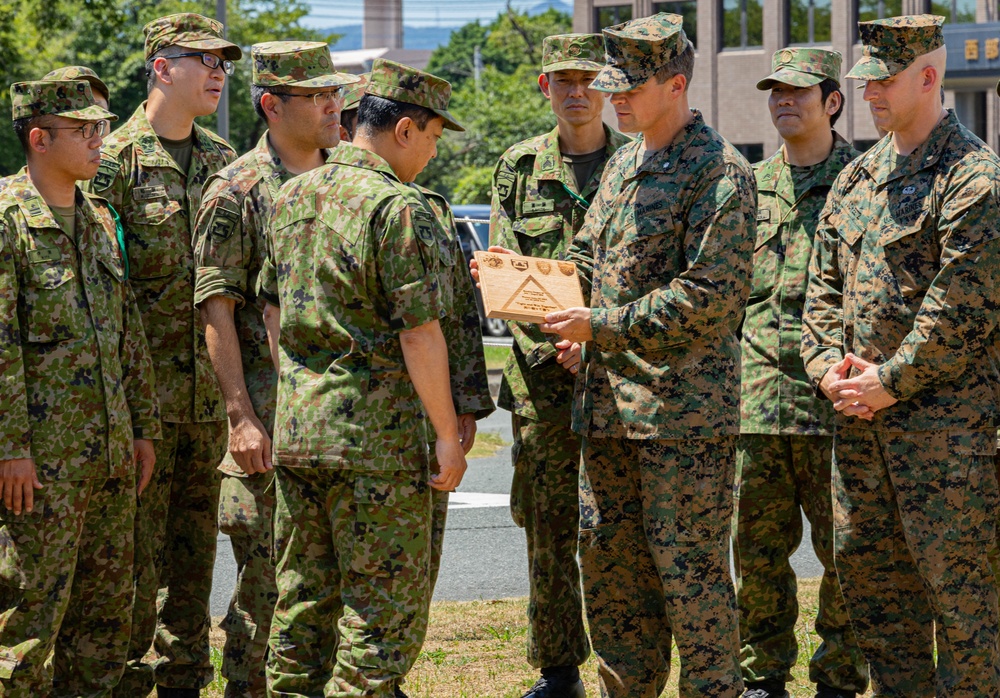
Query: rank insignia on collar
[[763, 214]]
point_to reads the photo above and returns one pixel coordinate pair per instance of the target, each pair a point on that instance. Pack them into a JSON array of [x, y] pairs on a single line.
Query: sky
[[416, 13]]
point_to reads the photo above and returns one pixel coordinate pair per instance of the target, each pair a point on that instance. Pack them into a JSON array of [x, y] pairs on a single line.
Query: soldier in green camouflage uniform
[[230, 246], [784, 452], [539, 203], [370, 288], [902, 298], [349, 114], [78, 404], [152, 171], [665, 253]]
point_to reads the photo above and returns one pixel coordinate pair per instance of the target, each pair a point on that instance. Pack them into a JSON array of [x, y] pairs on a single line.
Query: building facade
[[735, 39]]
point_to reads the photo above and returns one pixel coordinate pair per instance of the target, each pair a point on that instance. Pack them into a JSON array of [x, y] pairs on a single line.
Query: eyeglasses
[[88, 130], [320, 99], [211, 60]]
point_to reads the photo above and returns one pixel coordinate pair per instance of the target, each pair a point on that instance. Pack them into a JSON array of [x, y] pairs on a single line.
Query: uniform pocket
[[391, 525], [971, 487], [52, 305], [705, 501]]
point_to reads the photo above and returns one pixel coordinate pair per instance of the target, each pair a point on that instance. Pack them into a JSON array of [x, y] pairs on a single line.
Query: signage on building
[[973, 50]]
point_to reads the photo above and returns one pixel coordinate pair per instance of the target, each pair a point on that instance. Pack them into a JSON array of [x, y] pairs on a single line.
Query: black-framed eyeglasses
[[211, 60], [320, 99], [88, 130]]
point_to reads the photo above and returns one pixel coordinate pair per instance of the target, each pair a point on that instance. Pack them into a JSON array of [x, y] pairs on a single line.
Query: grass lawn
[[475, 649], [496, 357]]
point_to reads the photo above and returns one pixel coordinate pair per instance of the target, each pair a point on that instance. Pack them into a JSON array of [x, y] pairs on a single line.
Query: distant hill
[[427, 37]]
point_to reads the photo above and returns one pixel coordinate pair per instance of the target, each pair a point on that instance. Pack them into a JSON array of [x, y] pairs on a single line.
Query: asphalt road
[[484, 553]]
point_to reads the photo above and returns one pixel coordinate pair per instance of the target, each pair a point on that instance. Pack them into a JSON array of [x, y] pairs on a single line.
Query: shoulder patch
[[224, 222], [504, 183], [422, 224], [106, 173]]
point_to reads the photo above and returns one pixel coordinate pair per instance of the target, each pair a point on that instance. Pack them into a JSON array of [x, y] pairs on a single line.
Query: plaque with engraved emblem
[[526, 289]]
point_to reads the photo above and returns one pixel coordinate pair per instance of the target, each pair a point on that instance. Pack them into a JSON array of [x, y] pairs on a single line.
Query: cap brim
[[613, 79], [572, 65], [331, 80], [787, 76], [869, 68], [449, 120], [230, 51], [92, 113]]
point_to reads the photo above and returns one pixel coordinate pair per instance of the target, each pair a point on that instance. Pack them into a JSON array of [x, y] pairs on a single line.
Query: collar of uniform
[[36, 212], [769, 171], [272, 169], [548, 160], [151, 152], [926, 154], [667, 158], [353, 156]]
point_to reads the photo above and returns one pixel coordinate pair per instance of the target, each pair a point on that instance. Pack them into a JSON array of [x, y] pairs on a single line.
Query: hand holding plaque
[[526, 289]]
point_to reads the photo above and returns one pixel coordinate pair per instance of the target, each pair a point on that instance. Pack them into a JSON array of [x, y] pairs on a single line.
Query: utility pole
[[477, 67], [223, 110]]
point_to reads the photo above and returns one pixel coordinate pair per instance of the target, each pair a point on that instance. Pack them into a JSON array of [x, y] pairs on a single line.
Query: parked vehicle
[[473, 223]]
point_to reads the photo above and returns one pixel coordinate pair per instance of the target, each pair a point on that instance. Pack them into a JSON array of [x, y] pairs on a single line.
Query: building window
[[867, 10], [688, 10], [611, 15], [958, 11], [809, 22], [970, 108], [753, 152], [742, 23]]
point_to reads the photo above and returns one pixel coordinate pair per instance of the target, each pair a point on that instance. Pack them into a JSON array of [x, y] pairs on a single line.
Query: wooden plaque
[[526, 288]]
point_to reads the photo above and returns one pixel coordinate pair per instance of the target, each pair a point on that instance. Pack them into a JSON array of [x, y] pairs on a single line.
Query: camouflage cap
[[70, 98], [405, 84], [189, 30], [891, 44], [636, 49], [79, 72], [572, 52], [802, 67], [296, 63], [354, 93]]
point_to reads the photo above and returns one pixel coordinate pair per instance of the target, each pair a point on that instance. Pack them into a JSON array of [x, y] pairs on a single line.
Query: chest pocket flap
[[534, 226]]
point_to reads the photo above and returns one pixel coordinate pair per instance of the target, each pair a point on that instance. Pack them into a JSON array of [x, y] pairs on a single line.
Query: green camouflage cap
[[297, 64], [802, 67], [79, 72], [636, 49], [70, 98], [189, 30], [354, 93], [405, 84], [891, 44], [572, 52]]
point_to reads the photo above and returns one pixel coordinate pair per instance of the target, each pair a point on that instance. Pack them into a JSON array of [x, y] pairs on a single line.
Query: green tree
[[506, 108], [106, 35]]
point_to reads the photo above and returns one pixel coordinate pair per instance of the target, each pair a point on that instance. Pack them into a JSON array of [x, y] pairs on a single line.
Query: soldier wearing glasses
[[152, 171], [79, 407], [297, 91]]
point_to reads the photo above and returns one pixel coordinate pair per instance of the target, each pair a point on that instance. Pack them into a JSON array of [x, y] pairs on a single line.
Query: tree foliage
[[37, 36], [506, 108]]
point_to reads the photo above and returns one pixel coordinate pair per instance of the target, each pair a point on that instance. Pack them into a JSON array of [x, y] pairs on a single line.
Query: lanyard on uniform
[[121, 238], [576, 197]]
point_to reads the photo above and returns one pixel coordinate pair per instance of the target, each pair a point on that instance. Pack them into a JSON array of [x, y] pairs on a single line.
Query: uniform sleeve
[[109, 183], [470, 389], [960, 309], [15, 432], [710, 293], [223, 249], [137, 374], [822, 341], [536, 346], [409, 267], [267, 278]]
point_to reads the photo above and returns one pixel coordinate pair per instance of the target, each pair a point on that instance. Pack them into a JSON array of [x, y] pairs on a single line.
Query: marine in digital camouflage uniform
[[157, 193], [903, 276], [364, 273], [79, 410], [785, 447], [665, 253], [538, 205], [230, 246]]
